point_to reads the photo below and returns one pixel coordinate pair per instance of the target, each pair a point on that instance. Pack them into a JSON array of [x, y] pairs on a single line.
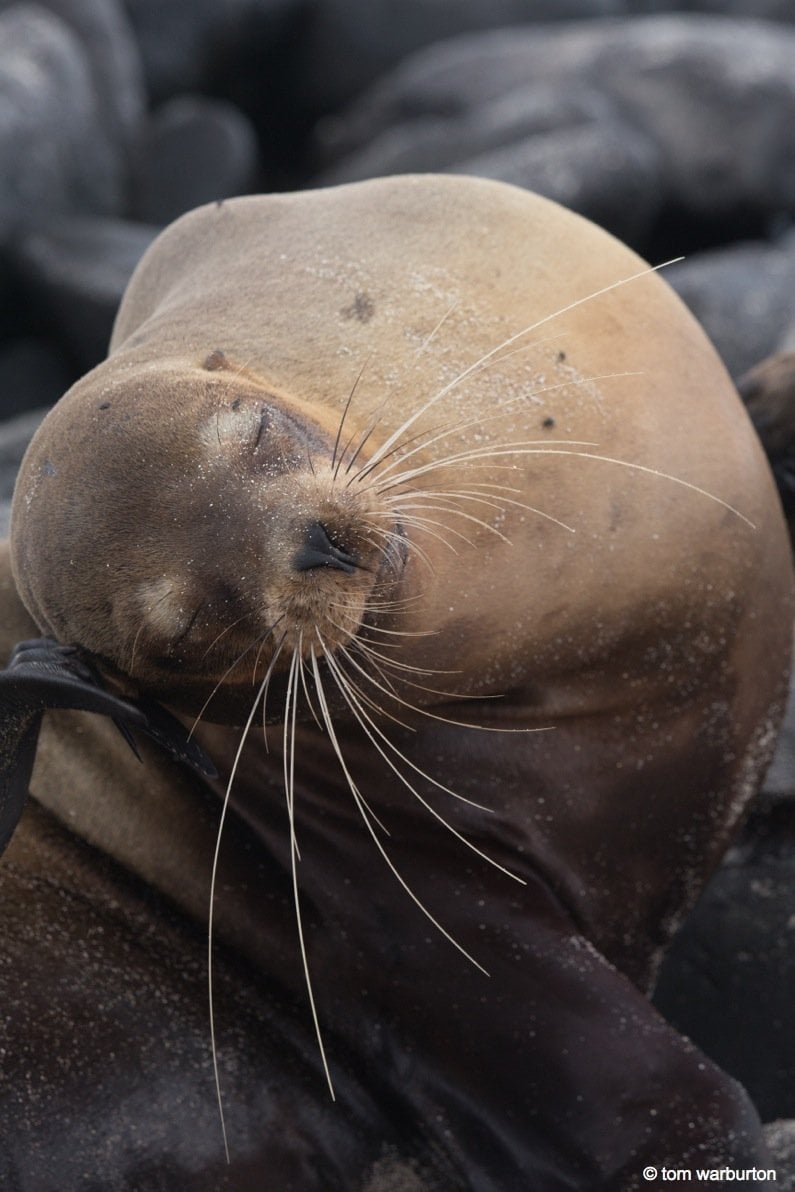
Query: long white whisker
[[379, 412], [265, 637], [484, 360], [498, 409], [422, 523], [223, 632], [365, 818], [493, 451], [289, 783], [213, 881], [625, 463], [308, 697], [531, 449], [362, 445], [398, 542], [365, 647], [481, 728], [404, 667], [372, 704], [228, 672], [343, 679], [372, 731], [138, 633], [335, 462], [422, 435], [380, 629], [436, 329], [439, 508], [496, 501], [372, 628], [400, 669]]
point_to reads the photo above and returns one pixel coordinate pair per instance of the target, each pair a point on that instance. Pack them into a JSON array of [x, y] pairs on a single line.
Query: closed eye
[[262, 427]]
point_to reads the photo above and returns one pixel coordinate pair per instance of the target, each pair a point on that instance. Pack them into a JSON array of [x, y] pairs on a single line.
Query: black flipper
[[43, 675]]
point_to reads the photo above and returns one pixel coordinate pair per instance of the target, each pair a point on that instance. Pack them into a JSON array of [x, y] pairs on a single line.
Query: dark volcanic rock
[[718, 97], [743, 295], [606, 171], [436, 140], [106, 37], [184, 43], [780, 1138], [713, 97], [245, 51], [335, 48], [727, 982], [176, 39], [570, 144], [768, 391], [773, 10], [193, 151], [55, 152], [14, 438], [603, 169], [352, 42], [75, 272], [35, 373], [780, 780]]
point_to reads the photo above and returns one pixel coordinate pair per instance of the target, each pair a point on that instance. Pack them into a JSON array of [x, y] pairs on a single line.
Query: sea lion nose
[[319, 551]]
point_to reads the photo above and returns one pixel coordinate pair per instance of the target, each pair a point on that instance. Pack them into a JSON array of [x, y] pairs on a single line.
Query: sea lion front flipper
[[42, 675]]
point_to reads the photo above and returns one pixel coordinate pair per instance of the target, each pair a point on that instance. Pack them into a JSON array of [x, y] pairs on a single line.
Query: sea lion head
[[214, 534]]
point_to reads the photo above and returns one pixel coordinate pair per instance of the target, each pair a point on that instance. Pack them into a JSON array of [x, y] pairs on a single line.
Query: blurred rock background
[[672, 124]]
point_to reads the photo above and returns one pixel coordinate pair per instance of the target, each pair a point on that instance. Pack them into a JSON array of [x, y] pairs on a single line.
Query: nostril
[[319, 551]]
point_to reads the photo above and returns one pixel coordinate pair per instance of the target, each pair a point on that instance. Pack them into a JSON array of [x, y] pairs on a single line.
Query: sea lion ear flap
[[218, 361], [215, 361], [42, 674]]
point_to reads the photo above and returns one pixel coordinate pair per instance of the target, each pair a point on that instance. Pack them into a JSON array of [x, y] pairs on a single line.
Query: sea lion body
[[426, 435]]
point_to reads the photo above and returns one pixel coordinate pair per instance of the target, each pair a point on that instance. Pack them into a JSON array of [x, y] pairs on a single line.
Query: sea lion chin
[[446, 482]]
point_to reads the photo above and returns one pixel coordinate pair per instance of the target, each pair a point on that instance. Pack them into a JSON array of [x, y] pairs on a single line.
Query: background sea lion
[[768, 389], [387, 446]]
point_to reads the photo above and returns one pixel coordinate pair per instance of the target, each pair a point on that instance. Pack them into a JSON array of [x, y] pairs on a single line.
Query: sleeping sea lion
[[430, 514]]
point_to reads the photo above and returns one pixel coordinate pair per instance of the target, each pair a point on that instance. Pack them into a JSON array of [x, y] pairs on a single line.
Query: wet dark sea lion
[[448, 481], [768, 390]]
